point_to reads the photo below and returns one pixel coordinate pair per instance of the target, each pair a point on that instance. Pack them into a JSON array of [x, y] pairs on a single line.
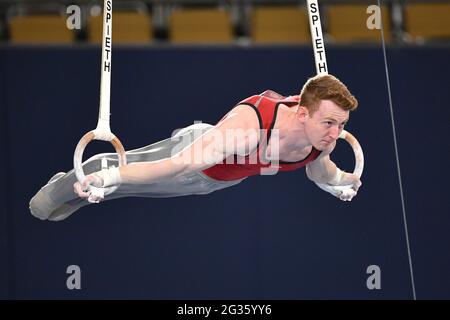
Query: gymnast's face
[[323, 127]]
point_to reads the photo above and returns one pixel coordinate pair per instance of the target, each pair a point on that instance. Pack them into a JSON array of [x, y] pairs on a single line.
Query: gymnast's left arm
[[323, 170]]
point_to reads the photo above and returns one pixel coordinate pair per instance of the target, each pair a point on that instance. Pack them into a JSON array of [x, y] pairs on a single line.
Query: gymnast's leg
[[57, 200]]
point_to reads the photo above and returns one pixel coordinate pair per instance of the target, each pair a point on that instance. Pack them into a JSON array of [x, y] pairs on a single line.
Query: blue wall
[[271, 237]]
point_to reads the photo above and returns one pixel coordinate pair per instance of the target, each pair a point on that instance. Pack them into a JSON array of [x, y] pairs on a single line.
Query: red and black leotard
[[266, 107]]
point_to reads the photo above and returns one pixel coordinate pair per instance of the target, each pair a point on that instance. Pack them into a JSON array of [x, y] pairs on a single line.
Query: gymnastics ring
[[103, 130], [78, 157], [359, 167]]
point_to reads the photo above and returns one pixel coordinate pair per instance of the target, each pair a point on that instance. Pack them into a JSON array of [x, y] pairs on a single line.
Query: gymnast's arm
[[235, 134], [209, 149], [323, 170]]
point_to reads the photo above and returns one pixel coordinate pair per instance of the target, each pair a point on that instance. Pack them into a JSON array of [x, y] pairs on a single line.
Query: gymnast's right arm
[[232, 135]]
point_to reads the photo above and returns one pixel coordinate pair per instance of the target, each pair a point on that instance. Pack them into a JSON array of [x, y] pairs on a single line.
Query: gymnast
[[260, 135]]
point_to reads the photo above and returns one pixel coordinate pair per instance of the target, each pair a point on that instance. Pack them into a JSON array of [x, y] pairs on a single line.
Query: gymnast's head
[[324, 108]]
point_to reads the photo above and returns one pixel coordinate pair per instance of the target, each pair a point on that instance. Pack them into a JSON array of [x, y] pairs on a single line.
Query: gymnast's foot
[[42, 206]]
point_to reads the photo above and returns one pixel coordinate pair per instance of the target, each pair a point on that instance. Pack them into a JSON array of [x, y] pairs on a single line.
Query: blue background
[[270, 237]]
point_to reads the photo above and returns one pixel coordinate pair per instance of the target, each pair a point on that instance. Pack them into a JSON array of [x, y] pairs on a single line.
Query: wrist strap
[[111, 177]]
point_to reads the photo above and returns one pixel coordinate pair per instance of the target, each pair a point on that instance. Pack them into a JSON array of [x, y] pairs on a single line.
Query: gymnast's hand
[[107, 180], [82, 189], [345, 179], [348, 179]]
